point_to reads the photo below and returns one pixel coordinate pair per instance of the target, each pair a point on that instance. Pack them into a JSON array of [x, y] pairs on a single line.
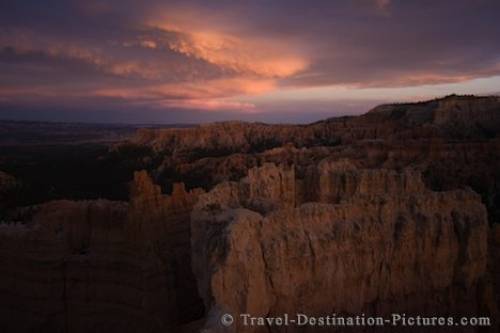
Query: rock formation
[[101, 266], [453, 141], [396, 210], [432, 119], [59, 270], [159, 224], [390, 244]]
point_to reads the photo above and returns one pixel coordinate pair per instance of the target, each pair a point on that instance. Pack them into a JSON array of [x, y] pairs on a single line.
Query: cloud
[[210, 95], [145, 63], [243, 56], [382, 4], [246, 54], [224, 55]]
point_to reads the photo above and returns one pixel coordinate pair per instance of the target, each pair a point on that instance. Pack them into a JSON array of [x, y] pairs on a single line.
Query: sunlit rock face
[[389, 244]]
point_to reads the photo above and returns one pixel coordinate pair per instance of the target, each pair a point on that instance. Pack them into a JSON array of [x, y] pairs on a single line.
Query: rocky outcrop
[[159, 225], [334, 180], [154, 216], [453, 141], [265, 189], [390, 244], [60, 271], [482, 111], [451, 117], [100, 265], [219, 139], [210, 171]]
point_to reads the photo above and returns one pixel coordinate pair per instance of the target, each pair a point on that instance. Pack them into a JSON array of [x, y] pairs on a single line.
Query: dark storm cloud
[[409, 43], [204, 54]]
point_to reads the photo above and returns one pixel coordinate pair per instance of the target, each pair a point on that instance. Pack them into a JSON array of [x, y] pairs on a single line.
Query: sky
[[261, 60]]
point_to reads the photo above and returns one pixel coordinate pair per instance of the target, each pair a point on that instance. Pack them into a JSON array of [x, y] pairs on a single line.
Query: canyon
[[393, 211]]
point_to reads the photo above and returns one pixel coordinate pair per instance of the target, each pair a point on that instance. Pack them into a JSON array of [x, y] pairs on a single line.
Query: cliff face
[[467, 111], [159, 225], [390, 244], [56, 271], [334, 180], [101, 266]]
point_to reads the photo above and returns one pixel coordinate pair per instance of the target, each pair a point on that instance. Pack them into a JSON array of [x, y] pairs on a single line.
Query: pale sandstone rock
[[264, 189], [407, 249], [333, 180], [270, 187]]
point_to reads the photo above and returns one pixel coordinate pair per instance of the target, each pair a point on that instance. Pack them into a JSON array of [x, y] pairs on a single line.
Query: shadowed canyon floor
[[393, 211]]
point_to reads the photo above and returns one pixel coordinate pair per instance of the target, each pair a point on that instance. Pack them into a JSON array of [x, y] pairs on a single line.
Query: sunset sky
[[274, 60]]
